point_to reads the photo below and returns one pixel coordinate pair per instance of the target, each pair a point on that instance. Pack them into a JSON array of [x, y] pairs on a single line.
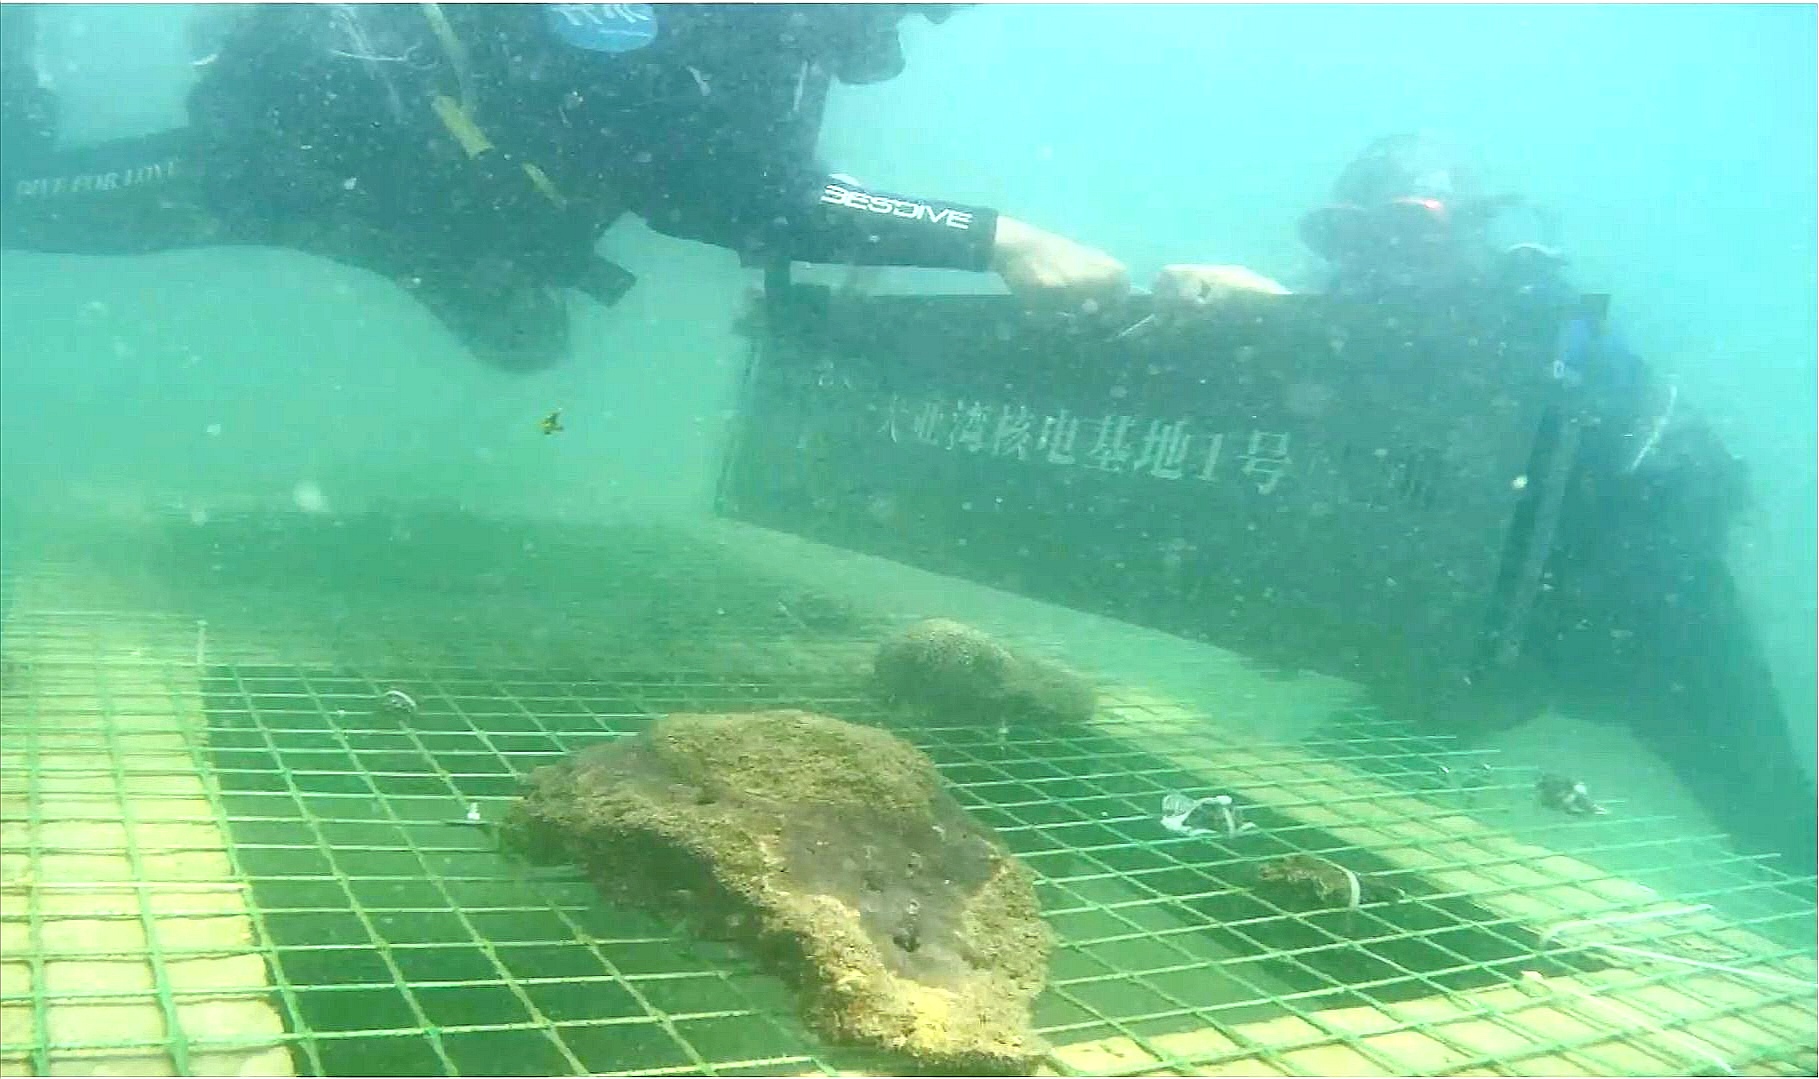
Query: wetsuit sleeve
[[838, 220], [765, 211]]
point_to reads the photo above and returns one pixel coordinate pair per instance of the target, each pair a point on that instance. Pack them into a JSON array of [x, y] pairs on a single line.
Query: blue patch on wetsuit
[[603, 27], [1574, 354]]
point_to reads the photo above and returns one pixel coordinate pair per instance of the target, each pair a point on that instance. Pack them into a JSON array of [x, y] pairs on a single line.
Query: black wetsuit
[[313, 128], [1639, 620]]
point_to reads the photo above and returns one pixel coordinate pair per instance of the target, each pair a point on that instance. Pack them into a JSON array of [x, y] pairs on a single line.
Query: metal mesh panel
[[225, 851]]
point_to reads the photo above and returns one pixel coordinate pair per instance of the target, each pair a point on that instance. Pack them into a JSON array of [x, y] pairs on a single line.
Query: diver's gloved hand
[[1187, 288], [1050, 271]]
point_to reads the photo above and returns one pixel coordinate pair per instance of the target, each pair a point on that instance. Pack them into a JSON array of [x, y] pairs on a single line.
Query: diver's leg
[[502, 315], [505, 315], [1717, 718], [1644, 625], [28, 111], [118, 196]]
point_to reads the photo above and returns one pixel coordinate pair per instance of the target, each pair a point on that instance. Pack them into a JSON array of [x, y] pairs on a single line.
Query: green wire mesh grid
[[395, 940]]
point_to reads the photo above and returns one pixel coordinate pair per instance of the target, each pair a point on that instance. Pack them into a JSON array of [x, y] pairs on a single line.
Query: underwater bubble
[[308, 497]]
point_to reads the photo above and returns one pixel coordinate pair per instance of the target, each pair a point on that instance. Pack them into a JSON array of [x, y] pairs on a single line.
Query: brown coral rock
[[829, 850], [952, 671]]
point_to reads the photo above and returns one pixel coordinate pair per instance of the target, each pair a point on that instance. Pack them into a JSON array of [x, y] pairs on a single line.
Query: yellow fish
[[551, 423]]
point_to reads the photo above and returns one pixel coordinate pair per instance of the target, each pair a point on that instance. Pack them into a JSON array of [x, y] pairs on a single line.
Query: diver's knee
[[523, 331], [523, 347]]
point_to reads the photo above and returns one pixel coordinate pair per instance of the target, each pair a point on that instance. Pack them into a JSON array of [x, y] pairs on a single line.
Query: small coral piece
[[1303, 881], [953, 672]]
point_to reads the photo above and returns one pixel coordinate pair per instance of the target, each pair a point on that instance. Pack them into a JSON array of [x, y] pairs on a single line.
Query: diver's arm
[[770, 206], [768, 212]]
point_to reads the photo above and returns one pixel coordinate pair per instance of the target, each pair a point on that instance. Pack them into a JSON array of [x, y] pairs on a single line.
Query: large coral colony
[[832, 852]]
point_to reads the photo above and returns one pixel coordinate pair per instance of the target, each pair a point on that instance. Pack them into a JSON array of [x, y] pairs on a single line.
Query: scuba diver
[[475, 153], [1639, 619]]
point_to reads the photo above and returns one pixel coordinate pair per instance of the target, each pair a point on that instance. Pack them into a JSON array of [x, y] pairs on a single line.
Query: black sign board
[[1358, 489]]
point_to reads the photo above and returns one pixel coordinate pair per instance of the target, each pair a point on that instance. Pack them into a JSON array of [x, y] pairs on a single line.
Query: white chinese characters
[[1162, 449]]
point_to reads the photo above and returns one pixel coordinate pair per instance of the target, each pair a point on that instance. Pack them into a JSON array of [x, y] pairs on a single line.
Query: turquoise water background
[[1677, 144]]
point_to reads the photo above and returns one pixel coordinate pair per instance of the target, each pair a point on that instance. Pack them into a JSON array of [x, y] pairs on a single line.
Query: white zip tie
[[1622, 919], [1666, 957], [1134, 327], [1741, 972], [1356, 886], [1655, 430]]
